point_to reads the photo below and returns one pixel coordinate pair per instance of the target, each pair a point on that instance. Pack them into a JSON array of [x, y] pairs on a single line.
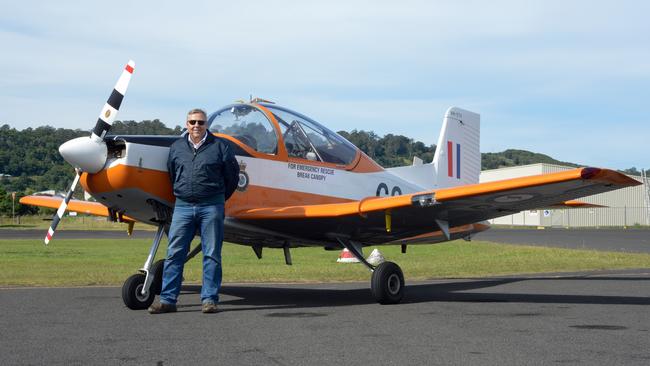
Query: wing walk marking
[[591, 175]]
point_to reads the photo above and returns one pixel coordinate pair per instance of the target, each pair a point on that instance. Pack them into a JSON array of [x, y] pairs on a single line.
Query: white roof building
[[625, 207]]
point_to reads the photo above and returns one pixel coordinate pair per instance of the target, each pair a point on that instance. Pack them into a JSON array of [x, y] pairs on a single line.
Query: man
[[204, 174]]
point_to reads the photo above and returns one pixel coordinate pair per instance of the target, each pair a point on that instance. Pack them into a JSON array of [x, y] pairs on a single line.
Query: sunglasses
[[195, 121]]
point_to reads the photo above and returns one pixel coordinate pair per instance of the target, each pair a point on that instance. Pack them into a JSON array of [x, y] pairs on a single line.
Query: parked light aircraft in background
[[303, 185]]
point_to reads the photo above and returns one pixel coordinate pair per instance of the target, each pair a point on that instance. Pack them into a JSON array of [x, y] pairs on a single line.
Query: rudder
[[457, 160]]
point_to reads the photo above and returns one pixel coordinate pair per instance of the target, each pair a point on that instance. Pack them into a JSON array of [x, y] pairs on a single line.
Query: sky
[[570, 79]]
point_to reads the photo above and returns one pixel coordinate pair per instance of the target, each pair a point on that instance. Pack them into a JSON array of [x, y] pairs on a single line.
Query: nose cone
[[85, 153]]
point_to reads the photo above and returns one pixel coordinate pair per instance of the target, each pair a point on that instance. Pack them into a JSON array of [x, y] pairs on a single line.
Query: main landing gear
[[139, 290], [387, 281]]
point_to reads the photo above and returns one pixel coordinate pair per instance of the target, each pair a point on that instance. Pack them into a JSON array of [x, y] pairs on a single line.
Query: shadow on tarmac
[[261, 297]]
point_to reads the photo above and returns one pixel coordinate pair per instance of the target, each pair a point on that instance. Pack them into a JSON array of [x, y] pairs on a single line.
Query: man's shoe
[[209, 308], [162, 308]]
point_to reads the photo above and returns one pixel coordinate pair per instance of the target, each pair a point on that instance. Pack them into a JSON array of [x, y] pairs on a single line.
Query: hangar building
[[625, 207]]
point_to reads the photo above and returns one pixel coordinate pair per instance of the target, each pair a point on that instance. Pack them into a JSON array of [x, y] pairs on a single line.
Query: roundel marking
[[514, 197], [242, 184]]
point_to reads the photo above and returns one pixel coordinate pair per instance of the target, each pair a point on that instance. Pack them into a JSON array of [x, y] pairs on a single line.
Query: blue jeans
[[185, 222]]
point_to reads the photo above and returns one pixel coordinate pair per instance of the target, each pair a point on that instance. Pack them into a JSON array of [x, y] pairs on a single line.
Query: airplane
[[303, 185]]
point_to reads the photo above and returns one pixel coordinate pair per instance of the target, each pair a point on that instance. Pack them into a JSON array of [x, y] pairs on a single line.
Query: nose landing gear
[[387, 280], [139, 290]]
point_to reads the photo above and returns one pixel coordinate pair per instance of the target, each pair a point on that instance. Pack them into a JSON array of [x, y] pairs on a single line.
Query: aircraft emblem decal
[[243, 177]]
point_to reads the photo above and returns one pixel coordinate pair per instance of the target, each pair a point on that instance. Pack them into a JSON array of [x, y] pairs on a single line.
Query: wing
[[415, 214], [573, 204], [90, 208]]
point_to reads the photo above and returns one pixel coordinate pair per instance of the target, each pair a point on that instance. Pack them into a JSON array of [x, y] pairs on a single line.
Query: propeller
[[89, 154], [59, 213]]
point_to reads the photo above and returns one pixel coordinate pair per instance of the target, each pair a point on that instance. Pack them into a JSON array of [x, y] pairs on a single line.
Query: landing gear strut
[[139, 290], [387, 281]]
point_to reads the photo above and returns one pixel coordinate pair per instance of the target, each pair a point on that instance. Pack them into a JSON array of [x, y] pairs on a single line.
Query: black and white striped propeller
[[89, 154]]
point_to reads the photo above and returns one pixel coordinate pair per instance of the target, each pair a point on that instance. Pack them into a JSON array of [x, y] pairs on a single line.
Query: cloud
[[355, 64]]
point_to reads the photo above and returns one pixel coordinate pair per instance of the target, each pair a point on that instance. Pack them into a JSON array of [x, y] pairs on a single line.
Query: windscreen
[[307, 139], [247, 124]]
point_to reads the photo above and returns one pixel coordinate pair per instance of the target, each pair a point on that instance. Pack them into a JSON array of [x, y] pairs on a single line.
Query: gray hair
[[197, 110]]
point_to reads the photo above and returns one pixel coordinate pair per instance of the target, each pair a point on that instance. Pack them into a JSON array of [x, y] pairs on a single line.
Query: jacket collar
[[209, 138]]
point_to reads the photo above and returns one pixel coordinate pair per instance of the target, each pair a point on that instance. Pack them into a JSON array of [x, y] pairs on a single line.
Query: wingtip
[[608, 175], [588, 173]]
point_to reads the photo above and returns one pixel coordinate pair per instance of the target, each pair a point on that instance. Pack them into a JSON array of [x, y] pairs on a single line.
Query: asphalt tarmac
[[576, 319], [596, 318], [620, 240]]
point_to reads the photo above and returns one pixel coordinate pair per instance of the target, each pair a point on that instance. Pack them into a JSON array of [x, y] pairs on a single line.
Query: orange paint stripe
[[366, 164], [119, 177], [256, 196], [90, 208], [325, 210]]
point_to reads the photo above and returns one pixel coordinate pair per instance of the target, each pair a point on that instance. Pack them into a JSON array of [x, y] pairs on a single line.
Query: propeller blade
[[90, 154], [112, 106], [59, 213]]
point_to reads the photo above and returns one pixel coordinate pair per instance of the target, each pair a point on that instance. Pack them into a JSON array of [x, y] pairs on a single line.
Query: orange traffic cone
[[347, 257]]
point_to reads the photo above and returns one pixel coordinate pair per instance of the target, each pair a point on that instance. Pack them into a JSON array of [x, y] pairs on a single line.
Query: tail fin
[[457, 160]]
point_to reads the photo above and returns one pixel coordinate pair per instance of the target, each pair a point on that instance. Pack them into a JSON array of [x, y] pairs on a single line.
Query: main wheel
[[387, 283], [157, 271], [131, 293]]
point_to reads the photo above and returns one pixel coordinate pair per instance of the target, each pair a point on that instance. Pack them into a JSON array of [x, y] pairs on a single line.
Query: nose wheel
[[387, 281], [132, 294]]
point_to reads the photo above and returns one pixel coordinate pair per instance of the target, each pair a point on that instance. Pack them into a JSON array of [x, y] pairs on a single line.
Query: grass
[[110, 262], [80, 222]]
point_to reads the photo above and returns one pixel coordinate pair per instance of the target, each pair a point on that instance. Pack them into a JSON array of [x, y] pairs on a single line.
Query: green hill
[[31, 160], [512, 157]]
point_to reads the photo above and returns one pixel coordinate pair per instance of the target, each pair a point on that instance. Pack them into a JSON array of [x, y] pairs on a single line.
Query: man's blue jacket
[[207, 175]]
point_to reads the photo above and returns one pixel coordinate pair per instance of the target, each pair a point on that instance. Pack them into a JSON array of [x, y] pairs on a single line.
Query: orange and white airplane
[[302, 184]]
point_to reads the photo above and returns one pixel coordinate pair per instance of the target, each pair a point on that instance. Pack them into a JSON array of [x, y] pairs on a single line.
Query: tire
[[157, 271], [131, 293], [387, 283]]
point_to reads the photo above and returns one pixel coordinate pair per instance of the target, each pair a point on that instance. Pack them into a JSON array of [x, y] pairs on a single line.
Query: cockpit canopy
[[248, 125], [302, 137]]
